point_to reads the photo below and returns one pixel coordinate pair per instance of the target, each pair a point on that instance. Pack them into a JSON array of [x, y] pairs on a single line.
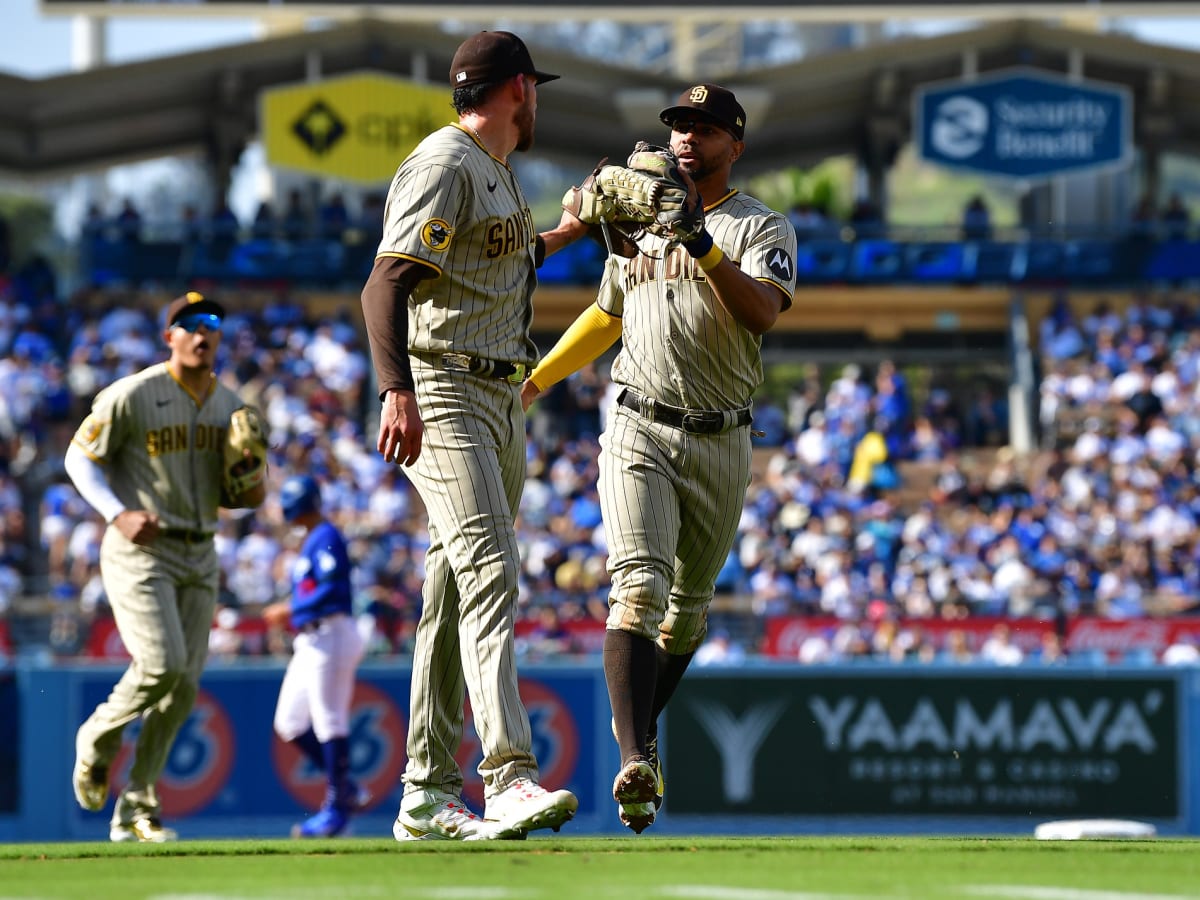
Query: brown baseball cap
[[193, 301], [492, 56], [708, 101]]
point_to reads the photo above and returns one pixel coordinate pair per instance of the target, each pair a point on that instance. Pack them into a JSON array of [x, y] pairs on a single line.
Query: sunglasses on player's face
[[193, 322]]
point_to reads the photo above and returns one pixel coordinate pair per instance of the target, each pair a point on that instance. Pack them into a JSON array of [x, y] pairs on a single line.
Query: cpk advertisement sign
[[925, 744], [1023, 124]]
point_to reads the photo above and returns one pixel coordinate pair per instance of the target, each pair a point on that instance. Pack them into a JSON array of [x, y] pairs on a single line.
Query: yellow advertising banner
[[356, 127]]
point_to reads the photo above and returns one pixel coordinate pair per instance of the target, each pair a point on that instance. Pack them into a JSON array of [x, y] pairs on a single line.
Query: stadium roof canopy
[[855, 101]]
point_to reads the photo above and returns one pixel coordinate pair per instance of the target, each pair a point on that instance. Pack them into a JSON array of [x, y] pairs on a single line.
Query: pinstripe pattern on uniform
[[671, 502], [470, 475], [679, 345], [163, 446], [163, 597], [481, 301]]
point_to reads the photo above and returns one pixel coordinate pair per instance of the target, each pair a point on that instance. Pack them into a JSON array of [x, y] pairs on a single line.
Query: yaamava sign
[[1023, 124]]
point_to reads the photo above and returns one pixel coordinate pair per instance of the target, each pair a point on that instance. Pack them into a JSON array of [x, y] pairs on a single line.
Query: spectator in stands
[[296, 222], [1176, 218], [809, 220], [333, 217], [5, 245], [987, 418], [1050, 651], [129, 223], [977, 220], [957, 648], [224, 230], [265, 226], [1143, 221], [999, 648], [719, 649], [866, 219]]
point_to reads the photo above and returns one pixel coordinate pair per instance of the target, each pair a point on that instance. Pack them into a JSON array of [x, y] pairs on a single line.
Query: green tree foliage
[[30, 222]]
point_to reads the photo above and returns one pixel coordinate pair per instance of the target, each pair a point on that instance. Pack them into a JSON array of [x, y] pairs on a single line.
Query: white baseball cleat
[[525, 805], [91, 785], [635, 788], [144, 829], [436, 816]]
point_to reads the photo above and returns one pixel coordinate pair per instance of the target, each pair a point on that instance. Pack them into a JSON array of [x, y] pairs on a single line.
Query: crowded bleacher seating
[[882, 522]]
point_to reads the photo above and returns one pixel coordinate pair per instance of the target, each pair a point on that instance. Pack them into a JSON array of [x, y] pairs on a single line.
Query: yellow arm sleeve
[[587, 337]]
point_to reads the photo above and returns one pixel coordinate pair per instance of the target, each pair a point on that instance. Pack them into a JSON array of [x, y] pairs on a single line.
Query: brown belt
[[187, 535], [690, 420], [514, 373]]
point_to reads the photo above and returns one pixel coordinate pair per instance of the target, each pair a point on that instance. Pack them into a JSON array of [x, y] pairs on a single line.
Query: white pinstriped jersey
[[679, 344], [163, 451], [459, 210]]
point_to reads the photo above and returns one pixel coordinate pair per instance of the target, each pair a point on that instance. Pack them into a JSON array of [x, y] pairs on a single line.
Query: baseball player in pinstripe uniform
[[675, 456], [149, 459], [448, 307]]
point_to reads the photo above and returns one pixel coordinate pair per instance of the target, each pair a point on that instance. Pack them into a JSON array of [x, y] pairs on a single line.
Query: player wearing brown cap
[[675, 455], [448, 307], [150, 459]]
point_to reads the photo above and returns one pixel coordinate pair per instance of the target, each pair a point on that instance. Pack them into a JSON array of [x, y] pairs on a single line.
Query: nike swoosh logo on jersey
[[162, 402], [491, 186]]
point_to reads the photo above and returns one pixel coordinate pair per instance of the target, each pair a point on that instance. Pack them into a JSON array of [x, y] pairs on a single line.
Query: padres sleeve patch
[[781, 266], [436, 235]]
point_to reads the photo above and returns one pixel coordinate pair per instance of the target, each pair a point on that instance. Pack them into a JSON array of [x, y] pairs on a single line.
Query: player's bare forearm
[[568, 230], [755, 304], [400, 428], [529, 392], [138, 525]]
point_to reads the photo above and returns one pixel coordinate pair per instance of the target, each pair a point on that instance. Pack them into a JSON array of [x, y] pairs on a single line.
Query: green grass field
[[619, 868]]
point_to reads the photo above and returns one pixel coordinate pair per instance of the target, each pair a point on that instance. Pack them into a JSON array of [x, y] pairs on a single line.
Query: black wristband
[[539, 252], [699, 245]]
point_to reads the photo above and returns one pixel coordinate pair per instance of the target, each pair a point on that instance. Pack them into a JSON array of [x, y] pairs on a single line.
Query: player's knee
[[182, 691]]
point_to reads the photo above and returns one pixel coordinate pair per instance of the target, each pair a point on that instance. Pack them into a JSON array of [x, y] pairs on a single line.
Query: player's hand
[[529, 393], [138, 525], [400, 428]]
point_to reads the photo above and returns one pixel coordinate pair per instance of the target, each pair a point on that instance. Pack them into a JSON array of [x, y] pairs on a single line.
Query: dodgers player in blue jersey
[[313, 711]]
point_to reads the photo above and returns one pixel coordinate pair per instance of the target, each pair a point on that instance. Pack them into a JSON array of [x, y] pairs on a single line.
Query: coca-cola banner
[[784, 636]]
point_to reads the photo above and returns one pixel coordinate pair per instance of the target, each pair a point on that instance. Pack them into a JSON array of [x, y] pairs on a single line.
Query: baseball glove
[[245, 452], [650, 193]]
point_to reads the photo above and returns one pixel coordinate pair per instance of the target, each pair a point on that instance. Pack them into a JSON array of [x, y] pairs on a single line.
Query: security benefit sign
[[1023, 124], [356, 127], [915, 744]]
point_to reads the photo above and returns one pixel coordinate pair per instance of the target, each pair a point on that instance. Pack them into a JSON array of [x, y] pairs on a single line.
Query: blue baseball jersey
[[321, 577]]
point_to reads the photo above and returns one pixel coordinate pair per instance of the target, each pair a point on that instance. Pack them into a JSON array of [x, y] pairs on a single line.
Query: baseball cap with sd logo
[[711, 102]]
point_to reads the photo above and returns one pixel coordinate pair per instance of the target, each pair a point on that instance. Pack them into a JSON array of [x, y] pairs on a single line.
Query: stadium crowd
[[871, 505]]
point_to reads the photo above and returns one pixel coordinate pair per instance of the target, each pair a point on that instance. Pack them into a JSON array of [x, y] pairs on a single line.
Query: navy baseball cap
[[710, 102], [300, 494], [193, 302], [492, 56]]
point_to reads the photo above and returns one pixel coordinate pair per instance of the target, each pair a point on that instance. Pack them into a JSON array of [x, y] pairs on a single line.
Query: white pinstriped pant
[[470, 475], [671, 503]]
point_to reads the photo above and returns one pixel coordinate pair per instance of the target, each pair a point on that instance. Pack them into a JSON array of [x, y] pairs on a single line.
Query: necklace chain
[[478, 136]]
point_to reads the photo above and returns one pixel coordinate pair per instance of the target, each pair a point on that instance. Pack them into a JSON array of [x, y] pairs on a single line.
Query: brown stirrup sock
[[670, 668], [629, 670]]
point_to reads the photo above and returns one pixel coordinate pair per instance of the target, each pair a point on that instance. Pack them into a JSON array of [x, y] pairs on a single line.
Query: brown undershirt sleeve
[[385, 312]]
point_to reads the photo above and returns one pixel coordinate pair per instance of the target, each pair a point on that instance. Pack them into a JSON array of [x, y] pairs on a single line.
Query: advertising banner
[[357, 127], [1023, 124], [227, 764], [10, 742], [1091, 745]]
